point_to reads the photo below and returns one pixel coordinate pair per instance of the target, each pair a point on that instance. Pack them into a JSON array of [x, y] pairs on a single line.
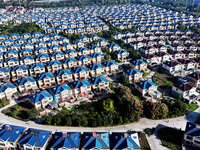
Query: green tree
[[108, 105], [181, 27], [120, 121], [107, 57], [33, 114], [47, 120]]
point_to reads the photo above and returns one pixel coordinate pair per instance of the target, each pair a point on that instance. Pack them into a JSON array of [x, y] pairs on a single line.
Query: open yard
[[3, 102], [192, 106], [171, 138], [163, 79], [19, 111]]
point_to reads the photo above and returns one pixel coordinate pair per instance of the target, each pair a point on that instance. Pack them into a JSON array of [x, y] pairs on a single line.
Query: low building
[[10, 135], [186, 91], [95, 70], [133, 75], [45, 79], [41, 100], [110, 66], [35, 139], [99, 83], [192, 135], [194, 79], [99, 140], [123, 141], [139, 65], [173, 67], [148, 88], [80, 73], [63, 76], [66, 140]]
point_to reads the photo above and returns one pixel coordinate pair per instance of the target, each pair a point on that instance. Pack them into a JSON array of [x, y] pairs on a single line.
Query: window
[[189, 137]]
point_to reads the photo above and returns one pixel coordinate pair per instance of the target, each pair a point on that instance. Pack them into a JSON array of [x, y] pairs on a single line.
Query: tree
[[56, 120], [84, 121], [120, 121], [33, 114], [107, 57], [95, 42], [156, 110], [47, 120], [106, 50], [125, 80], [181, 27], [108, 105]]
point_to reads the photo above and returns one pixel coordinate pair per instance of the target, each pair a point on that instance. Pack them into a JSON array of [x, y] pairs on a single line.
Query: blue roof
[[109, 63], [35, 137], [26, 50], [22, 81], [11, 133], [132, 71], [94, 55], [38, 48], [97, 80], [7, 85], [40, 65], [42, 55], [67, 140], [61, 72], [137, 62], [95, 140], [79, 69], [12, 51], [68, 60], [39, 96], [5, 69], [22, 67], [79, 58], [60, 88], [145, 84], [78, 84], [94, 66], [28, 57], [69, 51], [125, 140], [50, 63], [121, 51], [44, 75], [82, 49]]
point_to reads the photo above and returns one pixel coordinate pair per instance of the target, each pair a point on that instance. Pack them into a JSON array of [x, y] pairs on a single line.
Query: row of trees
[[22, 28], [118, 109]]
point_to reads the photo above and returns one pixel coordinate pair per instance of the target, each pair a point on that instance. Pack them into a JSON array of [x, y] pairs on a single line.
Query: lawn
[[3, 102], [171, 138], [192, 106], [163, 79], [19, 111]]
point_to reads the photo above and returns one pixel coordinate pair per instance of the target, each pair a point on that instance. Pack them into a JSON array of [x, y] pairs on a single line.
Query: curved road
[[154, 142]]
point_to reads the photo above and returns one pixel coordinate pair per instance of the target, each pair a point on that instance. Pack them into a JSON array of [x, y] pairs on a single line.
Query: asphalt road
[[139, 126]]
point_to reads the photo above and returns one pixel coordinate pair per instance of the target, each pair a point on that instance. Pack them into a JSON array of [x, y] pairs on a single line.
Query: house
[[41, 100], [35, 139], [25, 52], [123, 141], [27, 85], [63, 76], [147, 50], [95, 49], [148, 88], [66, 140], [95, 70], [173, 67], [151, 59], [110, 66], [186, 91], [122, 55], [133, 75], [191, 136], [27, 60], [5, 74], [162, 56], [101, 42], [19, 72], [35, 69], [80, 72], [83, 51], [175, 54], [139, 65], [41, 50], [8, 89], [43, 58], [99, 140], [189, 54], [11, 53], [99, 83], [53, 66], [45, 79], [96, 57], [113, 47], [10, 135], [187, 64], [194, 79], [70, 53], [54, 48], [57, 56], [83, 60], [69, 63], [62, 93]]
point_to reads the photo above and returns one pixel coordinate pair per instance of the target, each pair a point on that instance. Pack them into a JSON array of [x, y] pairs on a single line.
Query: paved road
[[139, 126]]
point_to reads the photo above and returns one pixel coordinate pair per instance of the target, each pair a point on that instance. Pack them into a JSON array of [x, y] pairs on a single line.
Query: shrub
[[148, 132]]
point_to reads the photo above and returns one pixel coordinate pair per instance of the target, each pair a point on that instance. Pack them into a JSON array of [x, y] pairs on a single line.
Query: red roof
[[171, 63], [195, 75], [184, 86]]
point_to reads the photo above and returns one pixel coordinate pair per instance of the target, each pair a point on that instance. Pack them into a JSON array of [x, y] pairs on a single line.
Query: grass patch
[[4, 102], [171, 138], [19, 111], [192, 106]]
